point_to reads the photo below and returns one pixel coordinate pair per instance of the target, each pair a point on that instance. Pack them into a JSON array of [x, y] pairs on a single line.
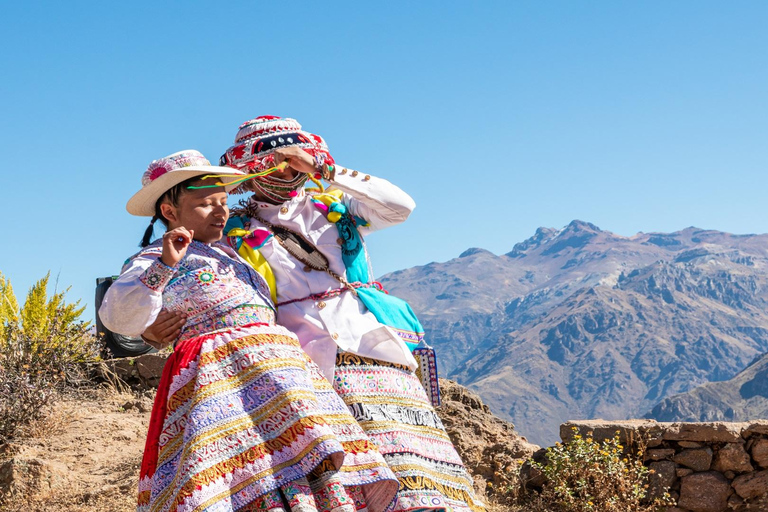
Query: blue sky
[[497, 117]]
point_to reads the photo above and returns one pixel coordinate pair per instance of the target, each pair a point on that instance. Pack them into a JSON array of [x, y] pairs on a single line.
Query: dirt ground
[[84, 456]]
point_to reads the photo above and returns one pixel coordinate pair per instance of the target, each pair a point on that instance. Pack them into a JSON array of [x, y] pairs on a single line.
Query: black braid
[[145, 241]]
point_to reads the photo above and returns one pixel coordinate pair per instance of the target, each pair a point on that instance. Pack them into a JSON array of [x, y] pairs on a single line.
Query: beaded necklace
[[277, 191]]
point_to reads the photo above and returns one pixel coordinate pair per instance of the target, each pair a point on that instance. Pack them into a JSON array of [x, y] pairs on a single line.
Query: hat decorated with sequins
[[257, 140], [165, 173]]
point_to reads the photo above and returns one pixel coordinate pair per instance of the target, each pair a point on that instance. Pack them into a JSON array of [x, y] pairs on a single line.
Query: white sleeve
[[376, 200], [133, 302]]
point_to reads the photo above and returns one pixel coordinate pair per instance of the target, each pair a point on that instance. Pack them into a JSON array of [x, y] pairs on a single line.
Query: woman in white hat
[[243, 420], [360, 337]]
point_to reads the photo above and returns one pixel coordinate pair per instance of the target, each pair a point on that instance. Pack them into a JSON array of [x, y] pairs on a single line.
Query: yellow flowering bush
[[588, 476], [42, 348]]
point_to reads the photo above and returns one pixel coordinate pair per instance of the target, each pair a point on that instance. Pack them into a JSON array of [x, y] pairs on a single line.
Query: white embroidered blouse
[[211, 285], [341, 321]]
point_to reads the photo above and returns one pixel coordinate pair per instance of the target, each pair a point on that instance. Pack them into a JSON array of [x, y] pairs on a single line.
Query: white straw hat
[[165, 173]]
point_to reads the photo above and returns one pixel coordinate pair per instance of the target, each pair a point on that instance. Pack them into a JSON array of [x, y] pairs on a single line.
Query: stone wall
[[707, 467]]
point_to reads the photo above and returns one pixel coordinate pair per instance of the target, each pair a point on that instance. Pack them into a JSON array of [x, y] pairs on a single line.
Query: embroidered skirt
[[390, 403], [243, 420]]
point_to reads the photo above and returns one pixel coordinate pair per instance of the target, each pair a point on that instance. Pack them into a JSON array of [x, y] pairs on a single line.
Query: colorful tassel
[[239, 180]]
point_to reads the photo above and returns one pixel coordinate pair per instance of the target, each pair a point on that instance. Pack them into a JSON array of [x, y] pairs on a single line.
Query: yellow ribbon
[[256, 260]]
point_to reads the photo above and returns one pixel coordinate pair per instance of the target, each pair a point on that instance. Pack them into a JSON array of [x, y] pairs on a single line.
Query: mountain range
[[579, 322], [741, 398]]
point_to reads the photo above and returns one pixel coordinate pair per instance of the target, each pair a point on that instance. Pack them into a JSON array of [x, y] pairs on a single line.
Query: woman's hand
[[165, 329], [297, 158], [175, 243]]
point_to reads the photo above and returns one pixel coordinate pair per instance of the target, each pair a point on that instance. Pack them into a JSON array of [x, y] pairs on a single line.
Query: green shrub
[[586, 476], [43, 347]]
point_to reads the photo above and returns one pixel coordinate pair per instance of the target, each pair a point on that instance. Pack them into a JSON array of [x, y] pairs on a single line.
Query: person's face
[[203, 210]]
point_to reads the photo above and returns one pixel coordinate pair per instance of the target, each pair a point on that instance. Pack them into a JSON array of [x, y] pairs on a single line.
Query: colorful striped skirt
[[243, 420], [390, 403]]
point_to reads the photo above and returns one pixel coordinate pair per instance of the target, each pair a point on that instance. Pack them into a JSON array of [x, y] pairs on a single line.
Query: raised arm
[[374, 199], [133, 302]]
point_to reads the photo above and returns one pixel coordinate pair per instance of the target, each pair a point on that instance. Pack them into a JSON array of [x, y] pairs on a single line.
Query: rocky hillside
[[583, 323], [743, 397]]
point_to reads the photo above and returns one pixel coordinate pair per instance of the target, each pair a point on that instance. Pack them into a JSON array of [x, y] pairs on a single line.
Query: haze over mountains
[[583, 323]]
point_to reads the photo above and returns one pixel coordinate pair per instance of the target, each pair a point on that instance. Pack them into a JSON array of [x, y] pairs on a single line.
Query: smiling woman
[[243, 420]]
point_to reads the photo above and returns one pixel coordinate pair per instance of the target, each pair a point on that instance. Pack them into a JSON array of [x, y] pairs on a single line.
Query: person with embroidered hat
[[309, 246], [243, 419]]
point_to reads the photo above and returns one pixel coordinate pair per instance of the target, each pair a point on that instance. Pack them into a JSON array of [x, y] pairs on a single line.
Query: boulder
[[661, 479], [659, 453], [530, 476], [141, 372], [756, 427], [630, 432], [704, 492], [490, 447], [751, 485], [760, 452], [708, 432], [732, 457], [150, 367], [698, 459]]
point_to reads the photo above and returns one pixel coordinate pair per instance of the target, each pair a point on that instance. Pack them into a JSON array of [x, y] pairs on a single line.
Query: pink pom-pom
[[293, 193]]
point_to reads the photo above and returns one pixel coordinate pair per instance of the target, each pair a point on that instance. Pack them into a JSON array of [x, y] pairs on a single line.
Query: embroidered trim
[[427, 373], [399, 419], [157, 275], [238, 317]]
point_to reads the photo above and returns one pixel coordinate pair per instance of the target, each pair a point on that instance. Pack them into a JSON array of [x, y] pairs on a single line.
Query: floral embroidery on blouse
[[213, 289], [206, 277], [157, 275]]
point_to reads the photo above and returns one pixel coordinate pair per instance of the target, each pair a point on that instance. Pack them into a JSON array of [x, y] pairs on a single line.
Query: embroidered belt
[[335, 292], [238, 317]]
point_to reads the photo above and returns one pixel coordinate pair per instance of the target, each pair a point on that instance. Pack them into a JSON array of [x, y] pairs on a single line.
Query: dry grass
[[50, 423]]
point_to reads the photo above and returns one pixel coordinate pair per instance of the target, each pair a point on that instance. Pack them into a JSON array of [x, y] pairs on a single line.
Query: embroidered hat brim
[[143, 202]]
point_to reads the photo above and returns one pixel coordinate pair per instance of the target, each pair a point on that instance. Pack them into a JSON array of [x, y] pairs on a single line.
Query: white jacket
[[342, 321]]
